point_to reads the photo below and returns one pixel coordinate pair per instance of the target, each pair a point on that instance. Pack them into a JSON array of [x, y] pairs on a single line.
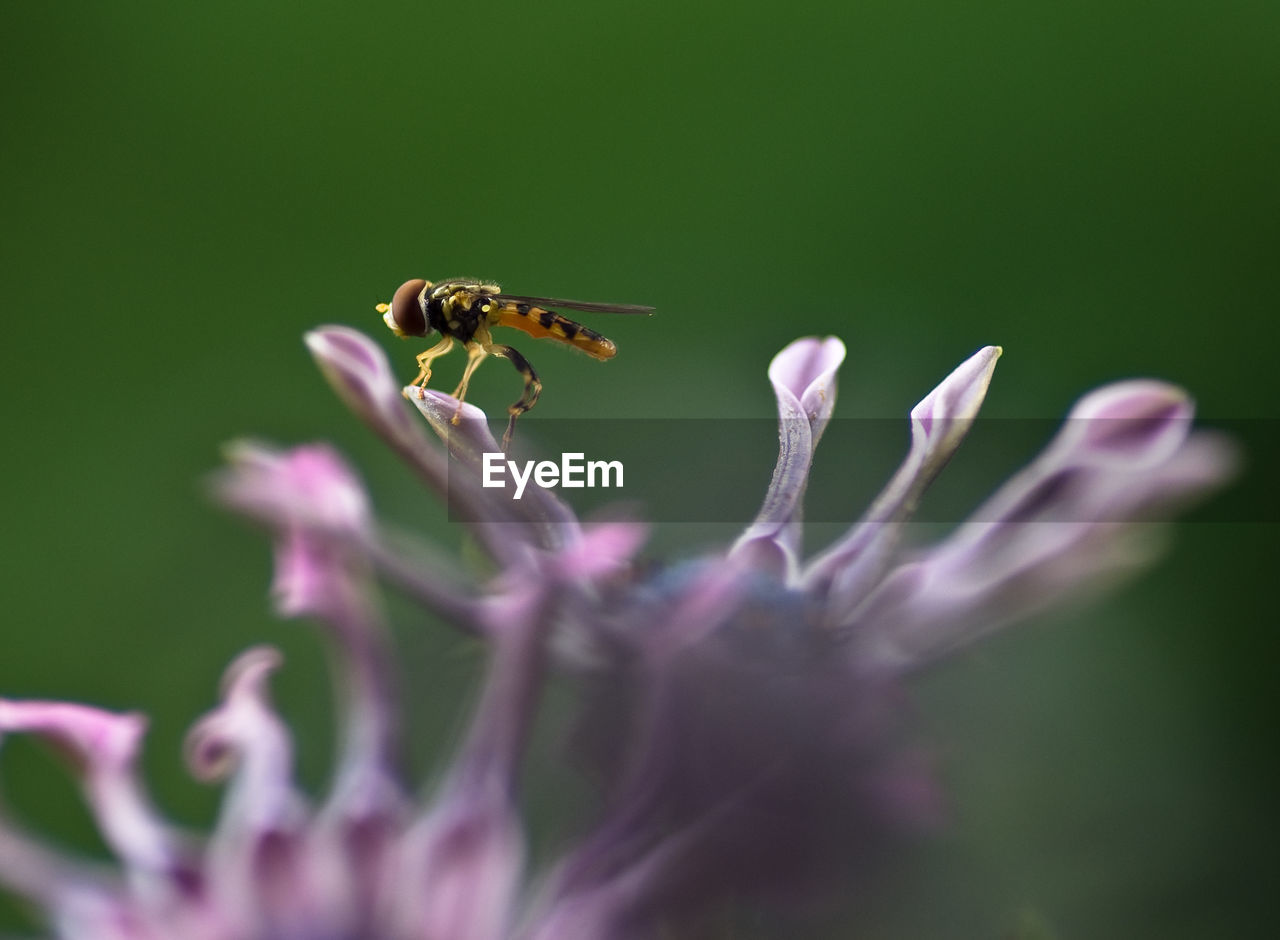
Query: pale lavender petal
[[461, 425], [358, 370], [806, 371], [1110, 439], [538, 517], [939, 423], [1061, 529], [804, 381], [1136, 423]]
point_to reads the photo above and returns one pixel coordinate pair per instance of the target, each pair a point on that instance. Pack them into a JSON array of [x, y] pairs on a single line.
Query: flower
[[741, 713]]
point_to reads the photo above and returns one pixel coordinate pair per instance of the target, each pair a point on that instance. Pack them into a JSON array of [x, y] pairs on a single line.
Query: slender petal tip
[[960, 395]]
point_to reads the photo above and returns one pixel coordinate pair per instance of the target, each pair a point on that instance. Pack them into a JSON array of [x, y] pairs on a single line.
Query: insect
[[464, 310]]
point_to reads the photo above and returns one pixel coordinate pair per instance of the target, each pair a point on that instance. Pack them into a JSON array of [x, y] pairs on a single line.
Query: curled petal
[[325, 531], [939, 423], [255, 857], [95, 740], [804, 381], [244, 737], [805, 371], [103, 747]]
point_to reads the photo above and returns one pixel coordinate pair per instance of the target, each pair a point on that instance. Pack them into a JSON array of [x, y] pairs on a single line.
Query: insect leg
[[476, 354], [532, 386], [425, 359]]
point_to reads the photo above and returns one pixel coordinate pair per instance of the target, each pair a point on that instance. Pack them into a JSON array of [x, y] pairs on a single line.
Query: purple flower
[[741, 713]]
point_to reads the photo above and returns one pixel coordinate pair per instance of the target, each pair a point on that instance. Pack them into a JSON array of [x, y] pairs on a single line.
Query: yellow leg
[[424, 363], [476, 354]]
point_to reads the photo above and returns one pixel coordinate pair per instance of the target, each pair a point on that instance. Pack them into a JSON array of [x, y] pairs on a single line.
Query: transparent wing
[[577, 305]]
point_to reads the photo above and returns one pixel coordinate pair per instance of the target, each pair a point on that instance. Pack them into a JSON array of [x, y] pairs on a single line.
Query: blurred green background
[[186, 189]]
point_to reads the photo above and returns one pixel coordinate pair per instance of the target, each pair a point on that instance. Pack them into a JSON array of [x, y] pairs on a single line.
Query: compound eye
[[406, 311]]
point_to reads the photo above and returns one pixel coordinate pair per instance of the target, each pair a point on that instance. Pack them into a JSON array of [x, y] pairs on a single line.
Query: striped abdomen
[[540, 323]]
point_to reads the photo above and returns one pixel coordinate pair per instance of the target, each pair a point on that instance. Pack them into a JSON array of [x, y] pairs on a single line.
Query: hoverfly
[[464, 310]]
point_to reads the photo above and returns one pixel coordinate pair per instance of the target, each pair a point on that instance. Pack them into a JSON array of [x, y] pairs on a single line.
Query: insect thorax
[[457, 308]]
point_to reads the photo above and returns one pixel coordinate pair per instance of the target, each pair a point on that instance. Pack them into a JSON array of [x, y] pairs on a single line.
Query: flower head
[[741, 713]]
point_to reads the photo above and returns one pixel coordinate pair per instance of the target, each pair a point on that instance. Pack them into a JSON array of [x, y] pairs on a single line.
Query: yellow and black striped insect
[[464, 310]]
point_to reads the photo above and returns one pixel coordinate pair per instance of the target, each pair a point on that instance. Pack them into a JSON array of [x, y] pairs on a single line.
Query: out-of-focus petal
[[604, 549], [103, 748], [468, 857], [1059, 529], [463, 859], [307, 486], [1131, 424], [322, 517], [747, 759], [939, 423], [253, 858], [245, 738], [358, 370], [804, 381], [325, 531], [34, 870]]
